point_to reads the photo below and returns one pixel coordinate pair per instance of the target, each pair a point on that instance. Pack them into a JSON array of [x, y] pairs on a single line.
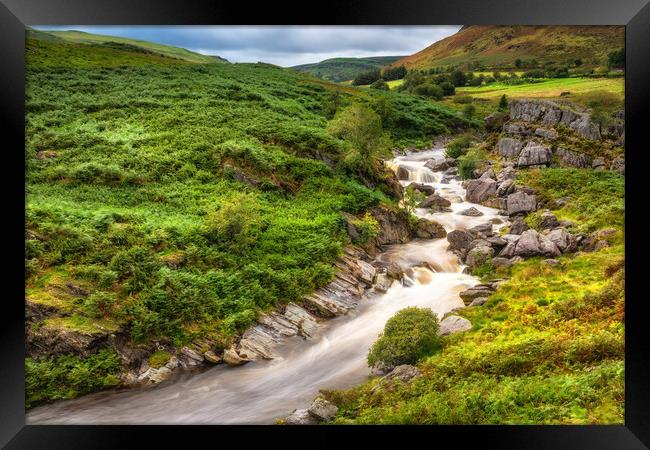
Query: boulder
[[300, 417], [570, 158], [508, 173], [519, 202], [478, 291], [403, 173], [547, 247], [560, 237], [454, 324], [509, 147], [404, 373], [506, 188], [528, 244], [534, 154], [434, 201], [437, 165], [487, 174], [322, 410], [480, 190], [479, 255], [500, 262], [393, 227], [508, 251], [496, 203], [494, 121], [382, 282], [546, 133], [518, 226], [479, 301], [428, 229], [548, 221], [424, 188], [459, 239], [472, 212], [515, 128], [585, 127], [497, 242], [598, 163], [212, 357], [232, 358], [618, 164], [483, 230]]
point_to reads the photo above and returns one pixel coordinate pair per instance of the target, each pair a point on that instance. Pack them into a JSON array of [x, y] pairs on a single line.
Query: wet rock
[[393, 227], [483, 230], [519, 202], [404, 373], [424, 188], [570, 158], [509, 147], [212, 357], [480, 190], [454, 324], [232, 358], [496, 203], [472, 212], [548, 221], [546, 133], [434, 201], [437, 165], [478, 291], [479, 256], [506, 188], [403, 173], [159, 375], [428, 229], [300, 417], [534, 154], [322, 410], [454, 199], [459, 239], [618, 164], [382, 282]]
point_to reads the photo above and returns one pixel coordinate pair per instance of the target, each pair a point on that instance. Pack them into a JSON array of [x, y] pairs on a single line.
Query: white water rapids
[[262, 391]]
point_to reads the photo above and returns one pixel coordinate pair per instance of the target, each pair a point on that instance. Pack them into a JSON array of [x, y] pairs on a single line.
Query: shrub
[[380, 85], [470, 161], [429, 90], [235, 221], [99, 304], [367, 227], [463, 99], [447, 88], [366, 77], [503, 103], [408, 336], [469, 111], [458, 146]]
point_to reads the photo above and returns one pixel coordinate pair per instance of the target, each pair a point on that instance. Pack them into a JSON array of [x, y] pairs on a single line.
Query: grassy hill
[[80, 37], [342, 69], [171, 200], [498, 47]]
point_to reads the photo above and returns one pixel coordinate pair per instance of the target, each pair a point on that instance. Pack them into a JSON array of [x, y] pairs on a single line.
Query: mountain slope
[[342, 69], [80, 37], [497, 47]]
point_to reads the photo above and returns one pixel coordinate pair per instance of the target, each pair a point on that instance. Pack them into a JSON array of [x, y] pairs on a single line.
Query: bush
[[366, 77], [470, 161], [99, 304], [394, 73], [469, 111], [380, 84], [234, 222], [503, 103], [367, 227], [447, 88], [429, 90], [458, 146], [408, 336]]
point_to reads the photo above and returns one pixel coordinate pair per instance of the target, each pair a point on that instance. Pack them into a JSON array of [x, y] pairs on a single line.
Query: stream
[[262, 391]]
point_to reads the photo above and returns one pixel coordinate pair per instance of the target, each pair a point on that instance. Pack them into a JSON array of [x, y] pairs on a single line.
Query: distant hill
[[498, 47], [342, 69], [80, 37]]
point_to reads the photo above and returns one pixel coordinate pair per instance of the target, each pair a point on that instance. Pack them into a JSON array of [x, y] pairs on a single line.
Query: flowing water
[[262, 391]]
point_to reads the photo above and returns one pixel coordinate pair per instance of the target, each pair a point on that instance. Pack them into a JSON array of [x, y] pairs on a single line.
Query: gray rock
[[488, 174], [506, 188], [585, 127], [424, 188], [548, 221], [478, 256], [403, 173], [472, 212], [546, 133], [382, 282], [459, 239], [572, 159], [494, 121], [618, 164], [528, 244], [300, 417], [509, 147], [497, 242], [437, 165], [404, 373], [480, 190], [515, 128], [534, 154], [547, 247], [479, 301], [483, 230], [434, 201], [500, 262], [478, 291], [322, 410], [428, 229], [560, 237], [521, 202], [598, 163], [551, 262], [551, 113], [454, 324]]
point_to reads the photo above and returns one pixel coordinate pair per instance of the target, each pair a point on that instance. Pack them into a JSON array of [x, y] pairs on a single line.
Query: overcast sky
[[282, 45]]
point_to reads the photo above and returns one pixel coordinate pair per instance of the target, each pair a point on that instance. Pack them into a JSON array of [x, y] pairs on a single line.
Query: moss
[[158, 358]]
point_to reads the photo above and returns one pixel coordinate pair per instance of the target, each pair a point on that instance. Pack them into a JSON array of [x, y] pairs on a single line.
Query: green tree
[[469, 110], [366, 77], [519, 63], [616, 59], [458, 78], [447, 88], [380, 85], [408, 336], [362, 128], [503, 103], [429, 90]]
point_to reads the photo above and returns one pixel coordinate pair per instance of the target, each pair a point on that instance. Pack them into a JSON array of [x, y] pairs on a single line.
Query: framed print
[[414, 216]]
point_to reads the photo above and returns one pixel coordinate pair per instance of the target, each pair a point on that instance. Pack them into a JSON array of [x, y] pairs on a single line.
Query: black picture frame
[[16, 14]]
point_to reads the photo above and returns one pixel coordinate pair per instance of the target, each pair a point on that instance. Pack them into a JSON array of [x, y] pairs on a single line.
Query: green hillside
[[343, 69], [80, 37], [169, 200], [499, 47]]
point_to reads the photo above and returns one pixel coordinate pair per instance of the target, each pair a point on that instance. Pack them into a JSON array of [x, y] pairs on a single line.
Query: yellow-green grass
[[81, 324], [394, 83], [546, 89]]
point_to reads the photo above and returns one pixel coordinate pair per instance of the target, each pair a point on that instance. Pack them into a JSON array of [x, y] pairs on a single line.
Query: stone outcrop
[[519, 202], [480, 190], [572, 159], [509, 147], [534, 154], [551, 113]]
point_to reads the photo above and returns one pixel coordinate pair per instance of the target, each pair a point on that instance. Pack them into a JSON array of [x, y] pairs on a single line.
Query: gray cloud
[[282, 45]]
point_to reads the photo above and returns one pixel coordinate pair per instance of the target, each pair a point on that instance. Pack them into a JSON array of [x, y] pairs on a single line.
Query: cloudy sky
[[282, 45]]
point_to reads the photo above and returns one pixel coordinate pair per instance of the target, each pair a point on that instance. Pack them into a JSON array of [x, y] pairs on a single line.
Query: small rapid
[[262, 391]]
